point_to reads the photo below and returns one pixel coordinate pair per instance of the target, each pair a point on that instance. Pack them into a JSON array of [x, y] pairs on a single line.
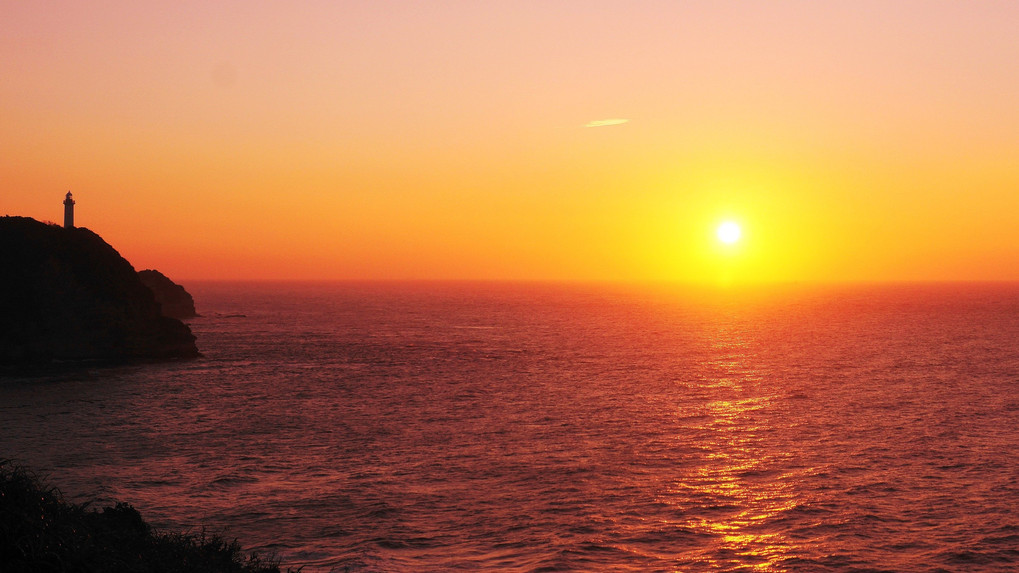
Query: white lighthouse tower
[[68, 211]]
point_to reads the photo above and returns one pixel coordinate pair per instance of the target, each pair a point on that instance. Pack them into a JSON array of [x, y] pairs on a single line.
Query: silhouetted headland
[[174, 299], [43, 532], [67, 295]]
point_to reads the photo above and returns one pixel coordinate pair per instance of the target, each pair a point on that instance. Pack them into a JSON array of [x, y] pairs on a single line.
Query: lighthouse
[[68, 211]]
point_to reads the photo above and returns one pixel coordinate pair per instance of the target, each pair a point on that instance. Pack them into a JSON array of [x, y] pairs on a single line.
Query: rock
[[66, 294], [175, 301]]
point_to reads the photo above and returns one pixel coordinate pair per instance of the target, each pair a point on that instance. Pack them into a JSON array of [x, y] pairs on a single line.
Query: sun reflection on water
[[740, 494]]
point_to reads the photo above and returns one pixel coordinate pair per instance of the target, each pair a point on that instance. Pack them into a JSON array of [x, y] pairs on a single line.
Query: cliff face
[[175, 301], [65, 294]]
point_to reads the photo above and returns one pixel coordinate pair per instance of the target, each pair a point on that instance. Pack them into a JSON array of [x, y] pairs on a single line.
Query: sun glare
[[728, 232]]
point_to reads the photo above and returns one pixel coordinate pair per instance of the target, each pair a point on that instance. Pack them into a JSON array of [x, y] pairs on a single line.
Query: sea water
[[538, 427]]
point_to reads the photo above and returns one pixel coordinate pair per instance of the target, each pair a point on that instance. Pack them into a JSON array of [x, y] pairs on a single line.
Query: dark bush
[[40, 532]]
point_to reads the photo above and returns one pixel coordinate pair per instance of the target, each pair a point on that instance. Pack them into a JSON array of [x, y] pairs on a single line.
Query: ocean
[[378, 427]]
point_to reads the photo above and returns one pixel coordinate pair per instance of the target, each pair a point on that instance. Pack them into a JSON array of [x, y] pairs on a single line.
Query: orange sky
[[852, 140]]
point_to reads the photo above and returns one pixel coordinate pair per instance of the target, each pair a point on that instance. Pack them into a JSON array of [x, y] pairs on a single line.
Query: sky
[[580, 140]]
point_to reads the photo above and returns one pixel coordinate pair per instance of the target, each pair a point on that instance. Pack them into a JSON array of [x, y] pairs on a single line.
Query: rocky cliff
[[65, 294], [175, 301]]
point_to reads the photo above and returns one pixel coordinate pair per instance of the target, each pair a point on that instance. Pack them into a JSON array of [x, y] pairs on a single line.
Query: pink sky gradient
[[403, 140]]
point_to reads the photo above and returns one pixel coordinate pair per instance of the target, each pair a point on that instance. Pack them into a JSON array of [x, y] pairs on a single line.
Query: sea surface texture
[[507, 427]]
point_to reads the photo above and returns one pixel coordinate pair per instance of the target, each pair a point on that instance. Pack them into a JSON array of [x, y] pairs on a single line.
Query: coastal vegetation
[[41, 532]]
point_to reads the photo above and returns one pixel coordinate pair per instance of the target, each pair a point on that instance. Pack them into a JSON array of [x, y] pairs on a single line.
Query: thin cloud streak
[[605, 122]]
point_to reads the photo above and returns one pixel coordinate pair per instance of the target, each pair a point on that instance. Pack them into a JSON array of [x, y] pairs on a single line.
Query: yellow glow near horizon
[[419, 141], [729, 232]]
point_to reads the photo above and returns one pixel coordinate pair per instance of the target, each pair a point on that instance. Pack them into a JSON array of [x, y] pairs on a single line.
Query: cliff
[[65, 294], [175, 301]]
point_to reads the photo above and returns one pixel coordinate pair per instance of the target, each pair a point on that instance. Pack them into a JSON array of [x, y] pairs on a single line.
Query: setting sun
[[728, 232], [735, 265]]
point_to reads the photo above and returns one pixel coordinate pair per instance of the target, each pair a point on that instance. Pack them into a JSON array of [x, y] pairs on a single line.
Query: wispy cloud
[[604, 122]]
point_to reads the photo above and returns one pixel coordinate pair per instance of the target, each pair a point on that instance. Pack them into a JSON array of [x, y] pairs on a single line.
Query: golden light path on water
[[736, 475]]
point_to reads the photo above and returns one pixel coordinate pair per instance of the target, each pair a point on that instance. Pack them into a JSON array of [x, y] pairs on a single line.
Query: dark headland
[[175, 301], [67, 295]]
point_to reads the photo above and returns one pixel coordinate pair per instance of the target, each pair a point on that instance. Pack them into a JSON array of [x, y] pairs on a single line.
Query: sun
[[728, 232]]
